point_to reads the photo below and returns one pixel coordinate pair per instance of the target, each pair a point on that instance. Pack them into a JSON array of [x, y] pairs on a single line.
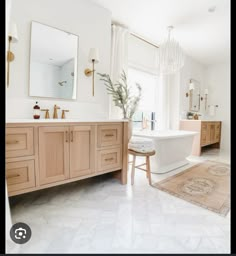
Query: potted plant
[[123, 96]]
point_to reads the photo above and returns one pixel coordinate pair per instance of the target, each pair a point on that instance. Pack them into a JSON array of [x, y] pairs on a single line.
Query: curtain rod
[[144, 40], [140, 38]]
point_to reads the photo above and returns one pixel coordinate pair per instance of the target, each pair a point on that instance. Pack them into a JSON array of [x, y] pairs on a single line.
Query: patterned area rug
[[206, 184]]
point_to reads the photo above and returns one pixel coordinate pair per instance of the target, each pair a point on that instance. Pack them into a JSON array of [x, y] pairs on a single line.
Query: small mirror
[[53, 62], [194, 97]]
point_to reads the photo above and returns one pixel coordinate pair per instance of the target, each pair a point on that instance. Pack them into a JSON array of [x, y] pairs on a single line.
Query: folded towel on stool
[[142, 145]]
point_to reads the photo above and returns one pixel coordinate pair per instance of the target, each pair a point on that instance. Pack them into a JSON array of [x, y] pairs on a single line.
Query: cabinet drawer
[[109, 135], [204, 126], [20, 175], [109, 159], [19, 142]]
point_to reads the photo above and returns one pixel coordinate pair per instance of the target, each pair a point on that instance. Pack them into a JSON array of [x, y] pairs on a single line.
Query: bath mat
[[206, 184]]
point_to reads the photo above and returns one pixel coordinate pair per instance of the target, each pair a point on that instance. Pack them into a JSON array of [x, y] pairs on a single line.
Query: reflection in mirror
[[194, 99], [53, 62]]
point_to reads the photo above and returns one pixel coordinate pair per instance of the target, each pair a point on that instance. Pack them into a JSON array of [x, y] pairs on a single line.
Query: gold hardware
[[109, 159], [55, 111], [12, 38], [46, 113], [66, 136], [89, 72], [109, 135], [10, 57], [72, 136], [13, 176], [63, 116], [12, 142]]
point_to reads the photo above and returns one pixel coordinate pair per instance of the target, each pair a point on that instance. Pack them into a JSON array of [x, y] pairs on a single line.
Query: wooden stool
[[147, 170]]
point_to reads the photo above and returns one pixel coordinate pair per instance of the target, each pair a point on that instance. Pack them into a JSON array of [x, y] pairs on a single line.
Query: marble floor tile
[[99, 215]]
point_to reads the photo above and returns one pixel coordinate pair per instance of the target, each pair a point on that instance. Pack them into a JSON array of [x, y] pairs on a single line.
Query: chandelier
[[171, 56]]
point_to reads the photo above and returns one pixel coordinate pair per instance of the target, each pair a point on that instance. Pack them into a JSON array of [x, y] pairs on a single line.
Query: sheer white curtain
[[164, 103], [119, 61], [168, 97]]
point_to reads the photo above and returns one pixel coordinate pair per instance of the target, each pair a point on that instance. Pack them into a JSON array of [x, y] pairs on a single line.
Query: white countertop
[[69, 120], [200, 120]]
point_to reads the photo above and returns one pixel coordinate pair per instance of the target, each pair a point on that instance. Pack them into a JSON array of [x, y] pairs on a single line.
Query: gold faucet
[[63, 115], [55, 111], [46, 113]]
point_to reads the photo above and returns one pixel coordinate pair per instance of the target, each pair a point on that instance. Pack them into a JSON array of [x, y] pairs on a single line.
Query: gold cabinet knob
[[46, 113], [63, 115]]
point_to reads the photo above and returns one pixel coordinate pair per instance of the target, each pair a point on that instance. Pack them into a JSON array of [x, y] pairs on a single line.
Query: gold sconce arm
[[89, 72], [12, 38], [93, 58], [10, 57]]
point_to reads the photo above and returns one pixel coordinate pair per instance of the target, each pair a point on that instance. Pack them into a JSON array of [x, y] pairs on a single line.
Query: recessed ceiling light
[[212, 9]]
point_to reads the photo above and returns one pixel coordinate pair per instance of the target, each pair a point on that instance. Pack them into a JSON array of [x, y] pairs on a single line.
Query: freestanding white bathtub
[[172, 147]]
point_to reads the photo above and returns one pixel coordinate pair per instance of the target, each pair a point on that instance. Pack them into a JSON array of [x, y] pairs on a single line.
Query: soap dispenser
[[36, 113]]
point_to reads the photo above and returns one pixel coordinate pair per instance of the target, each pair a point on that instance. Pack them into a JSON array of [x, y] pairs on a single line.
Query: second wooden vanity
[[44, 154], [209, 133]]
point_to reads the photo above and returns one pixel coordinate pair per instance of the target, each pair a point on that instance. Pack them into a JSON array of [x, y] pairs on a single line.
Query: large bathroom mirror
[[194, 99], [53, 62]]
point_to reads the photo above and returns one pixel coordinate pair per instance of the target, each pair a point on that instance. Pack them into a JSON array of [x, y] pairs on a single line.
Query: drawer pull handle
[[109, 135], [66, 136], [13, 176], [109, 159], [72, 136], [12, 142]]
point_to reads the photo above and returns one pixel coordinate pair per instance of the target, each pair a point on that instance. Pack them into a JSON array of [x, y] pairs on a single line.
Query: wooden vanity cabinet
[[48, 154], [82, 150], [65, 152], [20, 159], [53, 154], [209, 133]]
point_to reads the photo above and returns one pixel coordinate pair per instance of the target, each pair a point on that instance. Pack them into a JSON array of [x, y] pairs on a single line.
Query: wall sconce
[[12, 38], [191, 87], [93, 58], [205, 93]]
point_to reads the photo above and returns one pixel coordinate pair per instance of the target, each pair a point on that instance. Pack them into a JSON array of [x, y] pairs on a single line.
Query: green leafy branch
[[121, 94]]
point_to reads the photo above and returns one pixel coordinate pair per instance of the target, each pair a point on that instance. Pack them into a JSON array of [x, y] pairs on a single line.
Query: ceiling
[[203, 35]]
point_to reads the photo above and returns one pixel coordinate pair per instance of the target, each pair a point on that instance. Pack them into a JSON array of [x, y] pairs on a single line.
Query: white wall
[[192, 69], [179, 85], [93, 26], [218, 81]]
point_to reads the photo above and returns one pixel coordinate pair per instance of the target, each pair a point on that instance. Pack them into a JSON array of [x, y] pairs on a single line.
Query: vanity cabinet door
[[82, 148], [53, 154]]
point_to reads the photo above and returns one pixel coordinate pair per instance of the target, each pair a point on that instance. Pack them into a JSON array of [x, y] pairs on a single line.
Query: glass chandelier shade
[[171, 56]]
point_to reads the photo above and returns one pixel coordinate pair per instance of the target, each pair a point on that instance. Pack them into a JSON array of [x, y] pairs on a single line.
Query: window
[[145, 116]]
